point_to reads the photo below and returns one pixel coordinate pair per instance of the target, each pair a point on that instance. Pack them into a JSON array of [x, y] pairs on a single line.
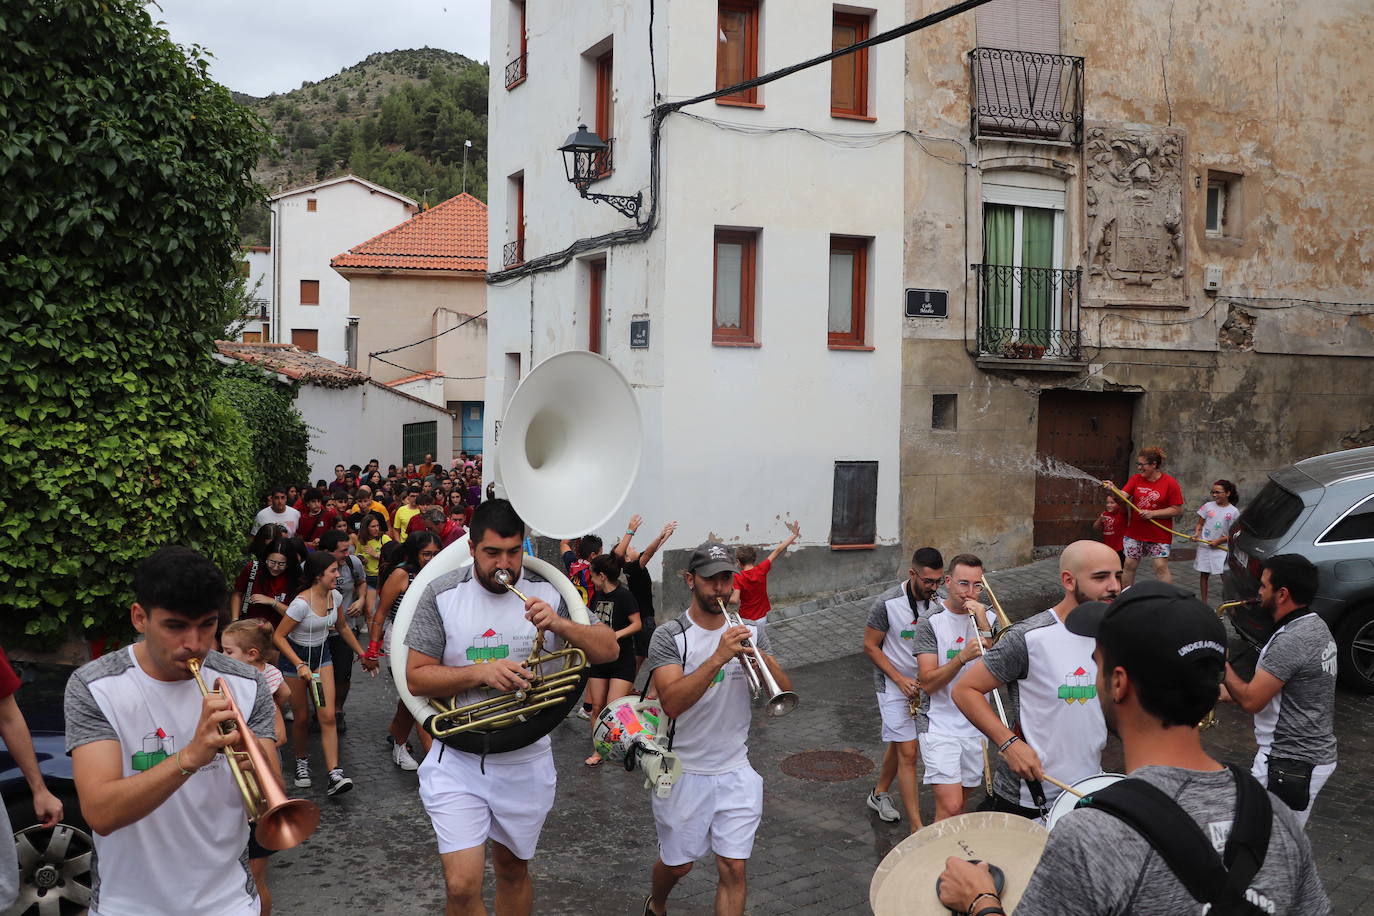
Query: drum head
[[905, 880], [621, 722], [1067, 800]]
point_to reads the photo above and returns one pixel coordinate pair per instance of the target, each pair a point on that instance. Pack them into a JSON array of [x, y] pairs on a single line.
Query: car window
[[1271, 513], [1356, 525]]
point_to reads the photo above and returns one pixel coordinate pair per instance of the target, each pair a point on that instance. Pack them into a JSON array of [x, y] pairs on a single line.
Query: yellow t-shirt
[[375, 507], [369, 563], [403, 517]]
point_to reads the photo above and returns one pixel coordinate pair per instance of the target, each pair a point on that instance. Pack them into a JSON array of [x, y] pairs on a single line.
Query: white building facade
[[759, 317], [310, 225], [257, 268]]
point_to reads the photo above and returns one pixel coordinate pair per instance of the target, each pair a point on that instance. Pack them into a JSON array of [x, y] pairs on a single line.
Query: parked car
[[1323, 509], [54, 862]]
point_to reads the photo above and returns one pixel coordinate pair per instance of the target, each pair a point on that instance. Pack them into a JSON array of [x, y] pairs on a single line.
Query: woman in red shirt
[[1156, 496]]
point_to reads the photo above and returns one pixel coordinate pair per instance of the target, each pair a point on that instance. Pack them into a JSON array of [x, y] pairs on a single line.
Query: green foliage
[[278, 438], [125, 169]]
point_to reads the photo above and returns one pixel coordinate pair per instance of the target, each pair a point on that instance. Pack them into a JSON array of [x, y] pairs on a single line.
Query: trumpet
[[282, 822], [780, 702], [1003, 621]]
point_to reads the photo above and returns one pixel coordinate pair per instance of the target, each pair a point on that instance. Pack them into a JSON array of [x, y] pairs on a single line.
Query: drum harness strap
[[672, 723], [1221, 881]]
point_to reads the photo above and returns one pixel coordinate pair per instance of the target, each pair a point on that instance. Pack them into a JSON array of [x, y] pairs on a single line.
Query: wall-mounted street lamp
[[583, 156]]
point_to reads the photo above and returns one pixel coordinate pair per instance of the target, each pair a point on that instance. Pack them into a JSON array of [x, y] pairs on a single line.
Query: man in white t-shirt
[[468, 639], [945, 643], [277, 512], [717, 803], [1055, 724], [888, 636], [171, 835]]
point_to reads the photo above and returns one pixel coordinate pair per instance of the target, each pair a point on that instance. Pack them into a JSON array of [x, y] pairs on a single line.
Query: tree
[[125, 170]]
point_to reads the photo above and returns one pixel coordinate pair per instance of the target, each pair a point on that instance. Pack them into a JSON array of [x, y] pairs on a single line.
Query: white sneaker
[[882, 803], [302, 773], [400, 755], [583, 714]]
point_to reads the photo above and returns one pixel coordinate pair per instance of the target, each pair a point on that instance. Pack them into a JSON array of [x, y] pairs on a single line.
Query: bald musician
[[1055, 727], [1188, 835]]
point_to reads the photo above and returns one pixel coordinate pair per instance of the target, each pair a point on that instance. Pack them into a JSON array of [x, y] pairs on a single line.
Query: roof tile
[[448, 236], [293, 363]]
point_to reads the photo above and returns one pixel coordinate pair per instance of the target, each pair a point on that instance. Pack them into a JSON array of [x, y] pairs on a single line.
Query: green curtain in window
[[1037, 283], [998, 238]]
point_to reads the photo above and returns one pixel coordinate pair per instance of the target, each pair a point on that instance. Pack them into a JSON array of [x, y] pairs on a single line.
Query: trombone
[[780, 702], [282, 822]]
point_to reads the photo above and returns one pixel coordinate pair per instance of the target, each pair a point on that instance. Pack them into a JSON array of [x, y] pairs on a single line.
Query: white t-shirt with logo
[[190, 854], [288, 518], [461, 623], [944, 635], [892, 613], [1053, 681], [713, 735]]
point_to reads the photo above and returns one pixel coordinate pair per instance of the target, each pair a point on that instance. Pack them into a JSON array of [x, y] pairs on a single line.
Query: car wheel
[[1355, 649], [54, 871]]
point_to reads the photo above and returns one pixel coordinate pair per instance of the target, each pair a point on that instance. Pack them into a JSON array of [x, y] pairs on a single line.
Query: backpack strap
[[1185, 849]]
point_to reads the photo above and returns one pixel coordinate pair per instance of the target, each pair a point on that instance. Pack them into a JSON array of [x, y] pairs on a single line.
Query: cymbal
[[904, 882]]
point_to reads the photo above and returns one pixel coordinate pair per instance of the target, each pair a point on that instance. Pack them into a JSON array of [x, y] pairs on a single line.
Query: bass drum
[[625, 724], [1067, 801], [478, 741]]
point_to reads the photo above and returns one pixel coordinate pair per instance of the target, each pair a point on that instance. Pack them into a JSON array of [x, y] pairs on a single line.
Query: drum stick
[[1070, 789]]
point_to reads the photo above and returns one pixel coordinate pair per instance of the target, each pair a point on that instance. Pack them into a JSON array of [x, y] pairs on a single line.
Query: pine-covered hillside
[[399, 118]]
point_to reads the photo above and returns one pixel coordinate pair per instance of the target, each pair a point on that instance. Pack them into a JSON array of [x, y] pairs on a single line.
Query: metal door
[[1087, 430], [472, 427]]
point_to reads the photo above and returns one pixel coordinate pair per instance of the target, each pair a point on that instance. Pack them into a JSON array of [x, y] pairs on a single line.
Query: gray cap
[[711, 559]]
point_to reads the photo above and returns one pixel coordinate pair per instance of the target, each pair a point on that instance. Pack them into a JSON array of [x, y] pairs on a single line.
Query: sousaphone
[[568, 453]]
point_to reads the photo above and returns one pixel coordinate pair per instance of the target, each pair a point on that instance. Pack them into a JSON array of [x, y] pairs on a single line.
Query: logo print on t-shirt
[[909, 634], [487, 648], [157, 747], [720, 676], [1077, 687], [958, 645]]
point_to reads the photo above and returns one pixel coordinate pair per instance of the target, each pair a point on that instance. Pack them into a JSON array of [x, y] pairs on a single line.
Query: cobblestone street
[[819, 844]]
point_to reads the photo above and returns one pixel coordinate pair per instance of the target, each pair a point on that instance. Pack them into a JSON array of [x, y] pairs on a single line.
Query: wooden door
[[1090, 431]]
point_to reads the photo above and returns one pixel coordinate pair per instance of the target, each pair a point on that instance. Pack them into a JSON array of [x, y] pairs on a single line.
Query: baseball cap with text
[[1157, 631], [711, 559]]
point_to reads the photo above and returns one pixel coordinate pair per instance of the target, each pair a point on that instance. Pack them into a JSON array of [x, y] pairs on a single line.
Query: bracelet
[[631, 531], [996, 908], [184, 771], [1002, 748]]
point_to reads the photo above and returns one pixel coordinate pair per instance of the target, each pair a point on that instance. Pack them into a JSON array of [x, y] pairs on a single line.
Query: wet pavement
[[818, 845]]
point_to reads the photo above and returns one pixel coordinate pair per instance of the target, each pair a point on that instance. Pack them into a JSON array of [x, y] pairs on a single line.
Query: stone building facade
[[1152, 220]]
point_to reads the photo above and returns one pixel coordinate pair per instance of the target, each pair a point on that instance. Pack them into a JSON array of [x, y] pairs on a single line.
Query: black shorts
[[623, 668], [343, 657], [646, 633], [255, 849]]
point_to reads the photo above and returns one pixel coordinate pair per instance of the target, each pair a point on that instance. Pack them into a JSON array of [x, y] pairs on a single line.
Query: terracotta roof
[[432, 373], [293, 363], [448, 236]]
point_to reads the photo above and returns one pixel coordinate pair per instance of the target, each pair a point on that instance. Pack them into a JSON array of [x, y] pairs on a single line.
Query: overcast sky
[[266, 46]]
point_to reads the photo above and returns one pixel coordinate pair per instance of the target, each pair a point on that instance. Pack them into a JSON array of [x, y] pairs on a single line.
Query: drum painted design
[[623, 723]]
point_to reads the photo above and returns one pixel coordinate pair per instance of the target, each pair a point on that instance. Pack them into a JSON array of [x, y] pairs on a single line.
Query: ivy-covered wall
[[124, 168], [278, 437]]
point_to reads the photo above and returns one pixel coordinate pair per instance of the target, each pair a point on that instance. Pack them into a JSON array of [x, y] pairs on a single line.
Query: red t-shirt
[[418, 523], [1114, 529], [1162, 494], [753, 591], [9, 681], [313, 526], [263, 584]]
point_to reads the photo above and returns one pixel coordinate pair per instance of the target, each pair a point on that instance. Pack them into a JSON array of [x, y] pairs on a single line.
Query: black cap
[[712, 558], [1154, 630]]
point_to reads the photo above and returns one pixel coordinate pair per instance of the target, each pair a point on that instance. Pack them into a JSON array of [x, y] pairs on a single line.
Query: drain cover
[[827, 766]]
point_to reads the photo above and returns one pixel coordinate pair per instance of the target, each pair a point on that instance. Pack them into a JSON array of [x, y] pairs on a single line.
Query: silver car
[[1323, 509]]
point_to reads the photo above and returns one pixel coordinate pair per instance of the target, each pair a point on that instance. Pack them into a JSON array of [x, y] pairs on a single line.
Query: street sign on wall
[[927, 303]]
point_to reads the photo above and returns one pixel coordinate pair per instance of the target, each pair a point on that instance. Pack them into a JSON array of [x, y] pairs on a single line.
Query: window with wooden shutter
[[307, 340], [849, 74], [596, 303], [854, 509], [1023, 85], [310, 292], [737, 49], [605, 112], [732, 318], [847, 317]]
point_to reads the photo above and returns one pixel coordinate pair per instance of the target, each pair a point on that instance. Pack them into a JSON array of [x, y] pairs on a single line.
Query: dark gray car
[[1323, 509]]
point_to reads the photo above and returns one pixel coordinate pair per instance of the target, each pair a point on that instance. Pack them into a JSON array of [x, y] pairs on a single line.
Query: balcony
[[516, 72], [1028, 318], [1026, 95], [513, 254], [603, 163]]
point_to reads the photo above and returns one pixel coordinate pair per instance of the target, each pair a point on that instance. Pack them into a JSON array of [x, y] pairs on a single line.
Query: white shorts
[[898, 723], [1320, 774], [952, 760], [709, 812], [507, 804], [1210, 560]]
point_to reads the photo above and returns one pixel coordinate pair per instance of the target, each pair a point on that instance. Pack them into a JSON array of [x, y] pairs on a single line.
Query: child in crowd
[[1112, 524], [1214, 526]]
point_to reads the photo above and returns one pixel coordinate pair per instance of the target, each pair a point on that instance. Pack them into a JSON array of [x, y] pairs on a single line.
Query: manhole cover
[[827, 766]]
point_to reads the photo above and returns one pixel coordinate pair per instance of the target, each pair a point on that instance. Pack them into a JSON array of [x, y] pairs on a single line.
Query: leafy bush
[[125, 169], [278, 436]]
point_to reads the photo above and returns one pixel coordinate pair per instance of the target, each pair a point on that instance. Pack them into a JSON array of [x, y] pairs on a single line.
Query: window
[[605, 111], [515, 70], [1223, 205], [252, 336], [311, 205], [1023, 249], [304, 339], [1355, 525], [514, 252], [944, 411], [596, 303], [737, 50], [733, 303], [419, 440], [310, 292], [848, 291], [849, 74], [854, 511]]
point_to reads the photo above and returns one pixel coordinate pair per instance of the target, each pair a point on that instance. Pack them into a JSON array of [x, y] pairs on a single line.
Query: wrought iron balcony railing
[[603, 163], [513, 254], [1026, 95], [1028, 312], [515, 72]]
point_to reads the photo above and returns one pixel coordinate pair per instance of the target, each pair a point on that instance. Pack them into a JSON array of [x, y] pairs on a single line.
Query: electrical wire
[[378, 353], [451, 378]]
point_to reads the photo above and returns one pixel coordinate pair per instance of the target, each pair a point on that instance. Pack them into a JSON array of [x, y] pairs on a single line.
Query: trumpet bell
[[552, 453], [287, 824], [781, 704]]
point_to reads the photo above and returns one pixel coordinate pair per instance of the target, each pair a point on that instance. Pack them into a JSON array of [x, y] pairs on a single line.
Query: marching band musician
[[171, 835], [1050, 671], [888, 644], [468, 637], [945, 643], [1182, 833], [717, 803]]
